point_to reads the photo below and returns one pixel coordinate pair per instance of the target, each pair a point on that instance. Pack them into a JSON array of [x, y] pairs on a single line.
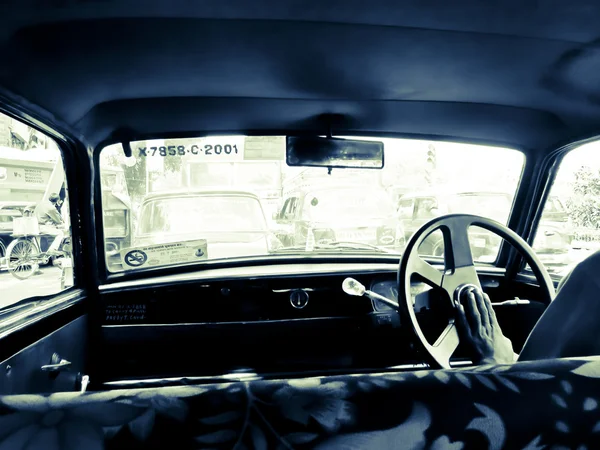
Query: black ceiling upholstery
[[517, 73]]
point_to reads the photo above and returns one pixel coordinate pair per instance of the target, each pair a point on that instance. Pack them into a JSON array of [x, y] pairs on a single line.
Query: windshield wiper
[[335, 245]]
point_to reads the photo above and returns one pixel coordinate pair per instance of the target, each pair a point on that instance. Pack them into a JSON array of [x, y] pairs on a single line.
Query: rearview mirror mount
[[317, 151]]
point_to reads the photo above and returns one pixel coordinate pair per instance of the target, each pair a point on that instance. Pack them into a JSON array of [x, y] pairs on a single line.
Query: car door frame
[[28, 324]]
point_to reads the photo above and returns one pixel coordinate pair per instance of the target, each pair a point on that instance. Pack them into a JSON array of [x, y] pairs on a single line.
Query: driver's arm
[[568, 327], [479, 328]]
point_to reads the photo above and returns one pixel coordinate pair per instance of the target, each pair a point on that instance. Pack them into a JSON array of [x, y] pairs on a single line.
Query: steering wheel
[[459, 275]]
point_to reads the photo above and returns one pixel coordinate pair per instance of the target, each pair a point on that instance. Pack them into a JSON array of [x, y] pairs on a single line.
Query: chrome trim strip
[[246, 322], [282, 291], [252, 376]]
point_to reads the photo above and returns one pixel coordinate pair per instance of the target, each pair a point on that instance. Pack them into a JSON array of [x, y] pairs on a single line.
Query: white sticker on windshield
[[164, 254]]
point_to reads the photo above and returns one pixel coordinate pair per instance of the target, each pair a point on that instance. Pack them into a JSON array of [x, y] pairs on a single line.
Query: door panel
[[22, 373]]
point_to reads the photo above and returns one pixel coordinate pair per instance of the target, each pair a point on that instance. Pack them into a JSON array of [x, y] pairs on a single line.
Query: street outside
[[13, 290], [565, 263], [581, 250]]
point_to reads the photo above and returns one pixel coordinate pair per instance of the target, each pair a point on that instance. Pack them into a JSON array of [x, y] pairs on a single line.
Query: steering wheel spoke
[[426, 271], [457, 247], [446, 344]]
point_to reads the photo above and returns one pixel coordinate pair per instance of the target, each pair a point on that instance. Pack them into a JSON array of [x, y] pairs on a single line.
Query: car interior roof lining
[[101, 66]]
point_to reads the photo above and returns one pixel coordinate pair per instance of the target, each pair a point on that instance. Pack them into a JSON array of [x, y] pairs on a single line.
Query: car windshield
[[223, 197]]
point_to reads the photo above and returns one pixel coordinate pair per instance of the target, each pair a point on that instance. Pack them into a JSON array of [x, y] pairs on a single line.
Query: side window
[[35, 232], [406, 208], [569, 229]]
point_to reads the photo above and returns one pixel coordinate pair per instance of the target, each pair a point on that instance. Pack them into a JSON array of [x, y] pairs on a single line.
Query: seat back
[[525, 405]]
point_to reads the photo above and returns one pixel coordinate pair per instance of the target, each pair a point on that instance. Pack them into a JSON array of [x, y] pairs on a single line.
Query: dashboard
[[257, 294], [254, 300], [267, 319]]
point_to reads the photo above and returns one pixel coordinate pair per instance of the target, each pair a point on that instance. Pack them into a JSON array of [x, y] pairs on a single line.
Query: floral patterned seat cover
[[530, 405]]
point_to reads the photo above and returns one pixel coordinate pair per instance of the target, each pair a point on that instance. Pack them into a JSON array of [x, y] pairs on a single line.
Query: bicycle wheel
[[21, 254]]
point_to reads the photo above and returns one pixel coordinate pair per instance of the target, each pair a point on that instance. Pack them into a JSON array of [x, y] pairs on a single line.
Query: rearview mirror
[[331, 152]]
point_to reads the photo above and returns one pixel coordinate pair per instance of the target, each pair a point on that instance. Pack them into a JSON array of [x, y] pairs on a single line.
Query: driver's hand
[[479, 328]]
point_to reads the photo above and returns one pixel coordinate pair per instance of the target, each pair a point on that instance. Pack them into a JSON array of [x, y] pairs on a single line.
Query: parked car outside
[[232, 222]]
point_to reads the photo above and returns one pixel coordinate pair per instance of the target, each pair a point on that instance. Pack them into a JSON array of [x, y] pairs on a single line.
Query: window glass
[[35, 234], [569, 229], [184, 197]]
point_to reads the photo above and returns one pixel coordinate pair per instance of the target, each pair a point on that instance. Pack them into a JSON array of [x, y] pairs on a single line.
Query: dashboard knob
[[299, 298]]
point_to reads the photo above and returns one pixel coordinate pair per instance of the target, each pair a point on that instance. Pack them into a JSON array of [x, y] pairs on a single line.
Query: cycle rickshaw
[[24, 255]]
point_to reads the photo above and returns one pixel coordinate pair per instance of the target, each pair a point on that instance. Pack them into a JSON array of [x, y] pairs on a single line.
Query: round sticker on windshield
[[135, 258]]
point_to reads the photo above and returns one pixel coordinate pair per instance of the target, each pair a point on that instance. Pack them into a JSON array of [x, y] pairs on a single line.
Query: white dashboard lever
[[352, 287], [515, 301]]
